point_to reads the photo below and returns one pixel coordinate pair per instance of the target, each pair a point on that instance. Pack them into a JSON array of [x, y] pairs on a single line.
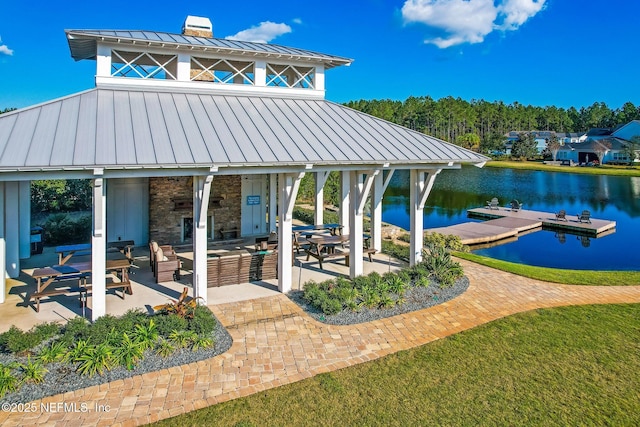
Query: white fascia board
[[205, 88]]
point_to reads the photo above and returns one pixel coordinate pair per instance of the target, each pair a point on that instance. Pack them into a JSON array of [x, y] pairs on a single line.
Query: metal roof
[[117, 129], [83, 45]]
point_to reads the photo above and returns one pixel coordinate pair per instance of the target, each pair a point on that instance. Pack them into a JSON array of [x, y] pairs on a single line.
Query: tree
[[601, 148], [553, 145], [493, 142], [525, 146], [6, 110], [469, 140], [632, 149]]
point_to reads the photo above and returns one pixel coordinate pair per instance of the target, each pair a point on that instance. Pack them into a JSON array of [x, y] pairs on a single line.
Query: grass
[[600, 170], [569, 277], [576, 365]]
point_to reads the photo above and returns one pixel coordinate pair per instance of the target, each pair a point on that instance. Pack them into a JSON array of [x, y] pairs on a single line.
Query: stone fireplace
[[171, 208]]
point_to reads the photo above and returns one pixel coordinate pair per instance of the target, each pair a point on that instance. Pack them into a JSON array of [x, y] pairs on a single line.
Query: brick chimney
[[197, 26]]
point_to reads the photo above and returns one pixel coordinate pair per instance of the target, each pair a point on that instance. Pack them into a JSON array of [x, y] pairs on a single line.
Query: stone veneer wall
[[165, 220]]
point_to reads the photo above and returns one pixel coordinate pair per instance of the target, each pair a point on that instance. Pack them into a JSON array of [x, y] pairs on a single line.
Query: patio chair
[[561, 215], [515, 205], [585, 216], [493, 204], [153, 248], [166, 266]]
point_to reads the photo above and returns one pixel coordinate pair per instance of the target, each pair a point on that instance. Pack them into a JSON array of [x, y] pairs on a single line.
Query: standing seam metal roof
[[114, 128], [83, 45]]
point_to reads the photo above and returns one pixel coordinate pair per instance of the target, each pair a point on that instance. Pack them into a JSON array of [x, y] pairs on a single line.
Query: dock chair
[[515, 205], [585, 216], [561, 215], [493, 204]]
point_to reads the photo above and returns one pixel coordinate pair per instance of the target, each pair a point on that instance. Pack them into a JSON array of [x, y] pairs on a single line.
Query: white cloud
[[4, 49], [468, 21], [263, 33], [517, 12], [297, 21]]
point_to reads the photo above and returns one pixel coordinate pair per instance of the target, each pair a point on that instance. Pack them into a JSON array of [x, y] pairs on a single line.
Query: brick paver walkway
[[275, 343]]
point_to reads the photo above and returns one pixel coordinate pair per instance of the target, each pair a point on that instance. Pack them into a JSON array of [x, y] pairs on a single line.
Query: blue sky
[[539, 52]]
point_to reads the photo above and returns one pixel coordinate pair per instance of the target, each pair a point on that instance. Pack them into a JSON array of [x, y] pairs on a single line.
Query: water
[[607, 197]]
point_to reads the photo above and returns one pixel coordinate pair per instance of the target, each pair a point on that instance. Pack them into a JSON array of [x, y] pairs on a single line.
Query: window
[[290, 76], [222, 71], [143, 65]]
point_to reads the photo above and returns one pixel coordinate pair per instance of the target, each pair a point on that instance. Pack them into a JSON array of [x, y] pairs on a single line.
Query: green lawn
[[575, 365], [600, 170], [569, 277]]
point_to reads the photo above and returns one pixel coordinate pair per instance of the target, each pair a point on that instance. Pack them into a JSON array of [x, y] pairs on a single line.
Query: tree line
[[481, 125]]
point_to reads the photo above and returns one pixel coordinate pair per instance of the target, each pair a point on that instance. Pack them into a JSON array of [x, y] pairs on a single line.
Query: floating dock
[[505, 223]]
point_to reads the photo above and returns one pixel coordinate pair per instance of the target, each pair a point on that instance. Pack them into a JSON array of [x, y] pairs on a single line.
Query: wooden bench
[[323, 255], [232, 233], [124, 286]]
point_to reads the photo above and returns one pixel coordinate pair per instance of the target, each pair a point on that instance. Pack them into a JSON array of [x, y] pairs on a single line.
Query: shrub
[[396, 251], [165, 348], [128, 352], [47, 330], [447, 242], [331, 306], [146, 335], [16, 340], [100, 331], [33, 371], [167, 323], [183, 338], [202, 342], [56, 352], [61, 228], [203, 323], [441, 266], [95, 359], [8, 381], [133, 317], [75, 329]]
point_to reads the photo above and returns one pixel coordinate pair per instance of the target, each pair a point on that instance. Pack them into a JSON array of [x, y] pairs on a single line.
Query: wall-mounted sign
[[253, 200]]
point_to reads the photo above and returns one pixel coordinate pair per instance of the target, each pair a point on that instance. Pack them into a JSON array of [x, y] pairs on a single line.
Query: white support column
[[288, 183], [201, 192], [320, 180], [345, 186], [260, 73], [357, 198], [25, 219], [12, 236], [3, 270], [103, 61], [99, 248], [319, 84], [380, 184], [273, 201], [421, 182], [183, 73]]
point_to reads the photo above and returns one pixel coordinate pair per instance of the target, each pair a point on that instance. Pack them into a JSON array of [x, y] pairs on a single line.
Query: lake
[[607, 197]]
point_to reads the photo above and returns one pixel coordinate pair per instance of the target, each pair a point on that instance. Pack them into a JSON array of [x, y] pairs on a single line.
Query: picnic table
[[311, 230], [124, 246], [48, 277], [323, 247], [65, 252]]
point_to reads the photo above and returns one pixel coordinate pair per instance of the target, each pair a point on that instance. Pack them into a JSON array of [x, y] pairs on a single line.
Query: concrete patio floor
[[146, 293]]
